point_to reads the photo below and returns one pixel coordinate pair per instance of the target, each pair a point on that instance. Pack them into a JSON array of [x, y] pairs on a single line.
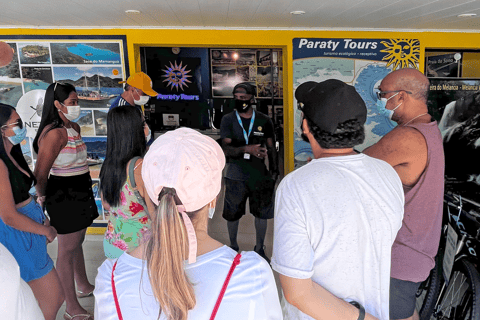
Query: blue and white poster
[[362, 63]]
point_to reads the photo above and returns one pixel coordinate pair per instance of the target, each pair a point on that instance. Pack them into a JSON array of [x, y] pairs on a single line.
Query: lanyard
[[241, 125]]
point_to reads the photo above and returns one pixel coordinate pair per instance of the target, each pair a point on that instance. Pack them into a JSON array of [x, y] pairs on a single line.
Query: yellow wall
[[257, 38]]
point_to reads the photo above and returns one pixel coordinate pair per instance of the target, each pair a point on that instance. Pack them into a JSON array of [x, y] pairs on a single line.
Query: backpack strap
[[131, 177], [235, 263]]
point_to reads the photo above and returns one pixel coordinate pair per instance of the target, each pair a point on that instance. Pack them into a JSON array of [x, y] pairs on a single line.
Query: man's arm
[[313, 300], [405, 149], [253, 149]]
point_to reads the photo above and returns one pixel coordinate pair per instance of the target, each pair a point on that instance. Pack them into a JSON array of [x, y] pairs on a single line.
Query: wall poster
[[454, 101], [261, 67], [94, 65], [362, 63]]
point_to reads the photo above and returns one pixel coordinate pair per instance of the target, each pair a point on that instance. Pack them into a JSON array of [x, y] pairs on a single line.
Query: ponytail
[[166, 250]]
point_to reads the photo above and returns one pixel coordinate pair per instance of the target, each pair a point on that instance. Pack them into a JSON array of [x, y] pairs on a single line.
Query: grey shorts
[[402, 298]]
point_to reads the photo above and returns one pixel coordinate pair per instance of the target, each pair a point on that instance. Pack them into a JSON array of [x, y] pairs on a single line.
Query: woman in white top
[[182, 173]]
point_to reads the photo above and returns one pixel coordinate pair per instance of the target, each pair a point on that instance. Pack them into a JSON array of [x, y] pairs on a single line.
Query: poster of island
[[262, 68], [94, 66], [361, 63]]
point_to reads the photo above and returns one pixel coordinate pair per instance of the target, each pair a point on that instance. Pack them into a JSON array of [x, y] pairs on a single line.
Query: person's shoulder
[[58, 133], [229, 116], [252, 262], [262, 116], [105, 269]]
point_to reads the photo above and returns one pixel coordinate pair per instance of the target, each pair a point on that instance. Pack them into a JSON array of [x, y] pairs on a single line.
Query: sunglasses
[[18, 123], [380, 93]]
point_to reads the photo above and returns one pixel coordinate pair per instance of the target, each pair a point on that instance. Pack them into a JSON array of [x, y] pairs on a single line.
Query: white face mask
[[211, 211], [73, 112], [142, 100]]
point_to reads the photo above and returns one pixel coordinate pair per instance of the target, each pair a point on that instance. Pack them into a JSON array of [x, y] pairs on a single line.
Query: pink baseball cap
[[187, 161]]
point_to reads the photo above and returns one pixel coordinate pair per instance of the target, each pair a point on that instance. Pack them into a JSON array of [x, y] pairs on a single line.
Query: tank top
[[19, 182], [72, 159], [128, 222], [416, 244]]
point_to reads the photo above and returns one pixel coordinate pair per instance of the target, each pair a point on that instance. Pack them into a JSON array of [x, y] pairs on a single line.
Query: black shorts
[[70, 203], [259, 191], [402, 298]]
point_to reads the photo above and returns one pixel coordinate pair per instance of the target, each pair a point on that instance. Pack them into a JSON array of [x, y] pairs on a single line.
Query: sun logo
[[402, 53], [176, 76]]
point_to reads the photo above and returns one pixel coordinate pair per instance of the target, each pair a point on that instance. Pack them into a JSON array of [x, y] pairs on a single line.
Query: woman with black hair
[[121, 185], [65, 187], [24, 231]]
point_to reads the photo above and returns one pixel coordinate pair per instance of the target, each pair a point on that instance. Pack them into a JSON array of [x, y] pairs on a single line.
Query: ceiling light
[[467, 15], [298, 12], [132, 11]]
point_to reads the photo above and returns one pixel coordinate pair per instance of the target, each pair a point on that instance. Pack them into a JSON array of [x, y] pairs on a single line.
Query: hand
[[46, 221], [51, 233], [256, 150]]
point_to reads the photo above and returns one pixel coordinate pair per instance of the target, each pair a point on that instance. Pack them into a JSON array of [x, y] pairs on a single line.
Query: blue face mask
[[382, 110], [19, 136]]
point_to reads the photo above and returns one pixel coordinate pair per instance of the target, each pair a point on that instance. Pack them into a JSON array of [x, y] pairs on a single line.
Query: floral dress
[[128, 224]]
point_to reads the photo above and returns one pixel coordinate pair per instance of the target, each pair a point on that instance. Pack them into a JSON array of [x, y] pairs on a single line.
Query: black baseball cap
[[330, 102], [249, 88]]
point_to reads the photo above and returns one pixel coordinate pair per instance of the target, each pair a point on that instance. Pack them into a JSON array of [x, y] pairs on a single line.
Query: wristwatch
[[361, 315]]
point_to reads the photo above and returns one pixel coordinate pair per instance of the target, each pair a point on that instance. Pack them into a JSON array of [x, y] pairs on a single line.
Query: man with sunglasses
[[414, 149]]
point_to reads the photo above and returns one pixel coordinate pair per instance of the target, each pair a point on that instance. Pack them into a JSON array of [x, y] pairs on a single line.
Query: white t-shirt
[[335, 222], [251, 292], [17, 301]]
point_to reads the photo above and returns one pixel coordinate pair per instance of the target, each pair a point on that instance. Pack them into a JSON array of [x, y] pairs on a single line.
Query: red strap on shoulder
[[114, 291], [235, 263]]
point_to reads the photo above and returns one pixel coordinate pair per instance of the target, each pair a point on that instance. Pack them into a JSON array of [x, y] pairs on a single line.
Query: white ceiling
[[264, 14]]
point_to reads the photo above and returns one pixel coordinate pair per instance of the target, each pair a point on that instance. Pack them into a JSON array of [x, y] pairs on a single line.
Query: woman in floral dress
[[128, 221]]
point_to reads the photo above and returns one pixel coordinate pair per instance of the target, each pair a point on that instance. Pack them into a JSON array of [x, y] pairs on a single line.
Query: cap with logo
[[141, 81], [330, 102]]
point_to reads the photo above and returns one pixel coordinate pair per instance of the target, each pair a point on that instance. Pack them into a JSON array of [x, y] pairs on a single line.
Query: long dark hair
[[125, 140], [5, 114], [55, 91]]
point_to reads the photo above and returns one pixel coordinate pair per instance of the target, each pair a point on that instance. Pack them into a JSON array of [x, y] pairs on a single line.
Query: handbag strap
[[131, 176], [114, 291], [235, 263]]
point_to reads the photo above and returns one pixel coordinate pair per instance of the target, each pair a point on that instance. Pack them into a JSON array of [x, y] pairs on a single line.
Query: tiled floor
[[94, 256]]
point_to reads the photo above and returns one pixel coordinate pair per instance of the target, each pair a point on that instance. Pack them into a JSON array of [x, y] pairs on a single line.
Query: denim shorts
[[29, 249]]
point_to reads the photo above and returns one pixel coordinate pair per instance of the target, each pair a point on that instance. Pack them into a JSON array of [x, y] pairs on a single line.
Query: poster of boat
[[34, 53], [86, 53], [96, 86], [93, 66]]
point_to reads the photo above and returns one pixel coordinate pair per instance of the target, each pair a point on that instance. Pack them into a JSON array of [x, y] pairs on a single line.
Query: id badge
[[246, 156]]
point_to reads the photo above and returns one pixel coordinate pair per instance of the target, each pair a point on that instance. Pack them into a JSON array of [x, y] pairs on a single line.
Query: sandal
[[81, 294], [86, 316]]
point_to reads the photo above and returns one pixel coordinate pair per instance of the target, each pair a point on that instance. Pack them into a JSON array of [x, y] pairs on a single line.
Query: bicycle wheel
[[461, 299], [427, 293]]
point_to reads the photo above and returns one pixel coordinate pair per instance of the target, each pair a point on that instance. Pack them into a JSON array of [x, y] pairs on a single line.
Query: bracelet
[[361, 315]]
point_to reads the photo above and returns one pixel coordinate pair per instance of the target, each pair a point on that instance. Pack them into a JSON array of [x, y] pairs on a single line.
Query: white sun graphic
[[402, 53], [176, 75]]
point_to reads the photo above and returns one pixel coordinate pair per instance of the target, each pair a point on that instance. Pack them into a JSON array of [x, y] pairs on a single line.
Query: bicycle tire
[[431, 287], [461, 299]]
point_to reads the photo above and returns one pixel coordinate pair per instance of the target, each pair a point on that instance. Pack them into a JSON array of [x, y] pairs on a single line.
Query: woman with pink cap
[[181, 272]]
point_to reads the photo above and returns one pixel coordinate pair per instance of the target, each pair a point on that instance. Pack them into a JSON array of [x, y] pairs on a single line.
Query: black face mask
[[242, 105]]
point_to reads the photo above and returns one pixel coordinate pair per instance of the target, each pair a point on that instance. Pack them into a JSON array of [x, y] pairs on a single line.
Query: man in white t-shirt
[[336, 218]]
